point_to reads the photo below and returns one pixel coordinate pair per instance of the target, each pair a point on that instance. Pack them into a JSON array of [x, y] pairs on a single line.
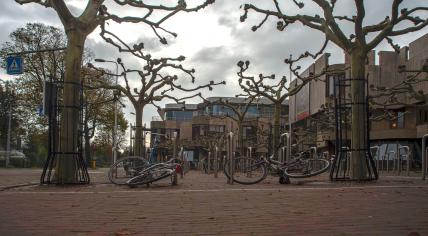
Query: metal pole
[[216, 162], [387, 160], [209, 163], [288, 145], [115, 122], [130, 139], [398, 160], [288, 157], [424, 156], [9, 126], [114, 149], [230, 147], [251, 153]]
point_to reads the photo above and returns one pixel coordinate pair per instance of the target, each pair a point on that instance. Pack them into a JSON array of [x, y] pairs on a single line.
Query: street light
[[115, 112]]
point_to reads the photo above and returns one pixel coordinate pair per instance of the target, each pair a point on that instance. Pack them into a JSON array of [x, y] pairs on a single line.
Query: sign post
[[14, 65]]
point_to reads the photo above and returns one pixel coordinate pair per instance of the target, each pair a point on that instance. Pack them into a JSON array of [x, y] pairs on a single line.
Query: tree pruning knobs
[[181, 4], [138, 47]]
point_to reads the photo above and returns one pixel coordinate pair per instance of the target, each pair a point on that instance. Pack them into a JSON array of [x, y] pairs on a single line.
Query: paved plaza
[[202, 204]]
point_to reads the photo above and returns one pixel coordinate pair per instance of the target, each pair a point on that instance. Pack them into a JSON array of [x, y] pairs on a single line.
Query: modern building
[[199, 128], [401, 123]]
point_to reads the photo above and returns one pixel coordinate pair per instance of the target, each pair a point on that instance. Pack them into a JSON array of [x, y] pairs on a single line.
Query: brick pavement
[[201, 204]]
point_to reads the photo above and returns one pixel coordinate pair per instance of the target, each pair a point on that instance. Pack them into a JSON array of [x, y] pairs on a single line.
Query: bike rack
[[288, 146], [377, 154], [407, 155], [388, 159], [424, 156], [314, 152]]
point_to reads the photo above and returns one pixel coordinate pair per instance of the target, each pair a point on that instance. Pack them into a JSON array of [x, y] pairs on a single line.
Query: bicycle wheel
[[306, 168], [126, 168], [149, 176], [246, 170]]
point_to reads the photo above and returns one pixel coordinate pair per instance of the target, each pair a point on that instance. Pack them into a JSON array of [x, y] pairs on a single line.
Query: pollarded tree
[[156, 84], [77, 28], [399, 21]]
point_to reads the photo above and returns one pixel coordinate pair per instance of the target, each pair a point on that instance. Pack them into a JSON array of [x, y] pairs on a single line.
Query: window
[[179, 115], [249, 132], [217, 128], [398, 120]]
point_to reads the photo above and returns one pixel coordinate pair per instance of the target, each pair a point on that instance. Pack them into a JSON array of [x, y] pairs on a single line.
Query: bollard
[[424, 156], [94, 164]]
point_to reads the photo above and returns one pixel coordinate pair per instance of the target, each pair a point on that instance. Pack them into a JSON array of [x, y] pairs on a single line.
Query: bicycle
[[126, 168], [157, 172], [251, 171]]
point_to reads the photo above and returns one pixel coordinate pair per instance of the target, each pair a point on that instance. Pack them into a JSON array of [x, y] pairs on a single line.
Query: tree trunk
[[276, 129], [139, 142], [66, 172], [359, 145]]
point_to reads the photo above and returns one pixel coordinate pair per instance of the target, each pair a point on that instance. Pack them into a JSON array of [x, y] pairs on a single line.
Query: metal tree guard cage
[[341, 165], [54, 104]]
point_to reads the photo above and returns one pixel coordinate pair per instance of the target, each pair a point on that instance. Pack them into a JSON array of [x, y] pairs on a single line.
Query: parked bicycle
[[134, 170], [251, 171]]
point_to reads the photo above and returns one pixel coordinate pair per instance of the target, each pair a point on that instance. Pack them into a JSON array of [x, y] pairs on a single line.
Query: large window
[[217, 128], [179, 115]]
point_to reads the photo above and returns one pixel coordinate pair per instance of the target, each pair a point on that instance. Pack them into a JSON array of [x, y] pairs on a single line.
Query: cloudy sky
[[213, 39]]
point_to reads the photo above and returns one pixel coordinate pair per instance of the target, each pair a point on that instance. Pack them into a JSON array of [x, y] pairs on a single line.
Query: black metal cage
[[341, 166], [54, 105]]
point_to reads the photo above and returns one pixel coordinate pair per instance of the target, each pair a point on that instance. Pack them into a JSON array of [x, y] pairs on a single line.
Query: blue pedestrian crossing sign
[[14, 65]]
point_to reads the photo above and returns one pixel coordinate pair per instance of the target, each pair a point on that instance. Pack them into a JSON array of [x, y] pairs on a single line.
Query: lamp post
[[9, 127], [114, 149]]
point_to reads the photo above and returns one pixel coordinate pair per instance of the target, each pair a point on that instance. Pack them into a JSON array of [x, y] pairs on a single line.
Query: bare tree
[[157, 84], [390, 96], [278, 92], [77, 28], [239, 111], [364, 38]]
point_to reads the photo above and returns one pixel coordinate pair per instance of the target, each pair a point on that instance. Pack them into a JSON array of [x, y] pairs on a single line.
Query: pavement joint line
[[214, 190]]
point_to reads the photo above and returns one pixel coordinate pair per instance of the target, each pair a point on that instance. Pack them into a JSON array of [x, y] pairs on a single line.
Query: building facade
[[393, 122], [199, 128]]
